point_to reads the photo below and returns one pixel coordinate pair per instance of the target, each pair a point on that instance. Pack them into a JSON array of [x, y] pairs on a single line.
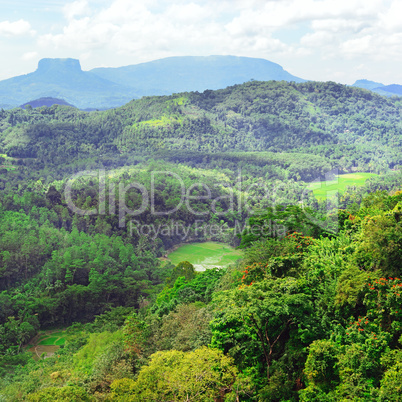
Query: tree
[[381, 243], [391, 384], [55, 394], [264, 312], [282, 220], [204, 375], [321, 365], [183, 268]]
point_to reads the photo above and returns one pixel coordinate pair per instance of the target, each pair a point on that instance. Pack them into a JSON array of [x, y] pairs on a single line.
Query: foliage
[[311, 313], [262, 314], [202, 375], [55, 394]]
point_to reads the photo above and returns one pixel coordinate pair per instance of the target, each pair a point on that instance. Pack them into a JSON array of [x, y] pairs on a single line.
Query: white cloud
[[112, 32], [340, 25], [317, 39], [76, 9], [145, 31], [30, 56], [361, 45], [390, 19], [17, 28], [189, 13]]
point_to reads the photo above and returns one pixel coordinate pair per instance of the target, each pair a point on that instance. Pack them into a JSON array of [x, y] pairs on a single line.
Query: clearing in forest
[[326, 189], [206, 255]]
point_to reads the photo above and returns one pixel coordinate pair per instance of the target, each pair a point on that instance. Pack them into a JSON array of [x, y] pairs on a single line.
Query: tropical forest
[[239, 244]]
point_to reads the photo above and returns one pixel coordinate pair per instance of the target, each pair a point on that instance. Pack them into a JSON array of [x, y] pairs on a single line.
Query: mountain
[[46, 102], [366, 84], [194, 73], [393, 89], [381, 89], [64, 78], [103, 88]]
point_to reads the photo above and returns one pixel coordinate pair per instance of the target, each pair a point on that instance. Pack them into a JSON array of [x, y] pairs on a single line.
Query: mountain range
[[110, 87], [104, 88]]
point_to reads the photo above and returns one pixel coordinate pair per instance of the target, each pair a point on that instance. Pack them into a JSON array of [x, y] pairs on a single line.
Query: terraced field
[[47, 342]]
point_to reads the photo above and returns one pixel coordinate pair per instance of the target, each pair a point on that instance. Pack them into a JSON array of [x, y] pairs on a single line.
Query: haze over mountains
[[63, 79], [103, 88], [181, 74], [110, 87]]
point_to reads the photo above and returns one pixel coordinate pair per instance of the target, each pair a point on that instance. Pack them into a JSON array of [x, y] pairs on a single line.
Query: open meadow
[[326, 189], [206, 255]]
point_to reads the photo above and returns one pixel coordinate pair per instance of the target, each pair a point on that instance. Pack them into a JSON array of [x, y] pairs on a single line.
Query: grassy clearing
[[326, 189], [58, 334], [48, 341], [60, 341], [206, 255], [7, 164], [180, 101], [7, 158], [164, 121]]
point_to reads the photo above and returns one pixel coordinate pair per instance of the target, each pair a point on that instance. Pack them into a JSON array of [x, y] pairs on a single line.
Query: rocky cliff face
[[67, 65]]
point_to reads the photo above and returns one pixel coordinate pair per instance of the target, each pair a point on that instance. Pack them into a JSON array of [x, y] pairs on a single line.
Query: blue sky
[[337, 40]]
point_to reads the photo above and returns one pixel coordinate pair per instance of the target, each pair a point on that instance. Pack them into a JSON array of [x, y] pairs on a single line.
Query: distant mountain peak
[[381, 89], [364, 81], [45, 65], [64, 79], [367, 84]]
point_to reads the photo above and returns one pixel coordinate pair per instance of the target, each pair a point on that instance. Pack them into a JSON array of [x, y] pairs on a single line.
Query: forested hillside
[[91, 203], [351, 127], [301, 318]]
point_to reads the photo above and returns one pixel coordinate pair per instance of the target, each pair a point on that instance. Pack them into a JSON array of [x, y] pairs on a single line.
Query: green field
[[205, 255], [52, 340], [326, 189], [46, 343]]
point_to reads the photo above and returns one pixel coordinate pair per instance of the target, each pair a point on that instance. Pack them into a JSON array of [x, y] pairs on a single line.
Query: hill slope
[[46, 102], [354, 128]]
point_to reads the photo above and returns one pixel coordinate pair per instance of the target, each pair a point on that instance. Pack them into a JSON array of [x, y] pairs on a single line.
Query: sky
[[323, 40]]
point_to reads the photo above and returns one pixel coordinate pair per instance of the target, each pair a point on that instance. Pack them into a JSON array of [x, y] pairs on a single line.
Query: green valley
[[197, 247]]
